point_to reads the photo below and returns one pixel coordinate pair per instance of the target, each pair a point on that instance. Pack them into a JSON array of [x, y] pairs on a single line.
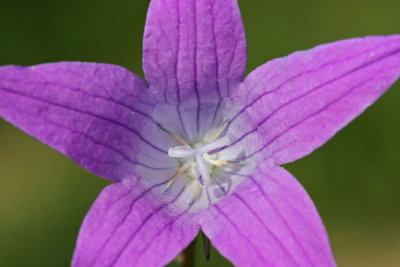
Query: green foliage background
[[353, 179]]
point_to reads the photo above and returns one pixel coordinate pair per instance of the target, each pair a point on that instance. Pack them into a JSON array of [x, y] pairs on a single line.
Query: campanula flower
[[197, 146]]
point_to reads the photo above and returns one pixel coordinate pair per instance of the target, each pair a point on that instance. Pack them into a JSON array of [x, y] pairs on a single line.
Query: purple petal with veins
[[136, 229], [269, 221], [197, 147], [297, 103]]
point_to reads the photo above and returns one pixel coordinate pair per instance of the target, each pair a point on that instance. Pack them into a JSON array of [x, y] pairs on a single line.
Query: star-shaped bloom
[[197, 146]]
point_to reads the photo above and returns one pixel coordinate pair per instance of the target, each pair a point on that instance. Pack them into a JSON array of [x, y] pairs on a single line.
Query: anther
[[220, 129], [199, 170], [179, 139], [220, 163]]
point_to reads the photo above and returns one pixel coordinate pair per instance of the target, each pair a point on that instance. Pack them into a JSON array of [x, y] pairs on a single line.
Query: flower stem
[[187, 257]]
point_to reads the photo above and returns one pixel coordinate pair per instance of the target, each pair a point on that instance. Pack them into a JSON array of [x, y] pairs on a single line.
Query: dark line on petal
[[95, 141], [221, 188], [279, 184], [148, 217], [299, 75], [124, 219], [87, 113], [196, 90], [278, 241], [265, 196], [158, 83], [216, 113], [185, 132], [110, 98], [208, 196], [230, 67], [310, 116], [217, 74], [149, 243], [240, 233], [165, 35], [86, 93], [367, 64]]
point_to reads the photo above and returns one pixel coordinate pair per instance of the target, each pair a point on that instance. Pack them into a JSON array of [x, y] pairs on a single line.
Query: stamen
[[174, 178], [199, 168], [179, 139], [195, 195], [220, 163], [219, 143], [220, 129]]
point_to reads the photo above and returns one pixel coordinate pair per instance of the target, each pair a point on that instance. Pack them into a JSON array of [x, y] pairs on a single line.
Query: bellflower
[[197, 147]]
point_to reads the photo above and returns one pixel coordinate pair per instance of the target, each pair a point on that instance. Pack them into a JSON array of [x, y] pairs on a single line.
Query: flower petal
[[194, 56], [90, 112], [125, 228], [194, 47], [269, 221], [296, 103]]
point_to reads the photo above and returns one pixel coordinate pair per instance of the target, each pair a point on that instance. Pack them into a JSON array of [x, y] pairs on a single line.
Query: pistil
[[199, 169]]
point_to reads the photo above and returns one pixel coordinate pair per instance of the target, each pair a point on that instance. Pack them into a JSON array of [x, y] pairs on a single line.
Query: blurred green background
[[353, 179]]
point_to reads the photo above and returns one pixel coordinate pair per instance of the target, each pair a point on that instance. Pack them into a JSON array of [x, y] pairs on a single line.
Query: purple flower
[[197, 147]]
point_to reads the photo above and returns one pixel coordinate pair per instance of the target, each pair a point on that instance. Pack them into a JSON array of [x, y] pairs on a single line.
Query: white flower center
[[201, 166], [198, 156]]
